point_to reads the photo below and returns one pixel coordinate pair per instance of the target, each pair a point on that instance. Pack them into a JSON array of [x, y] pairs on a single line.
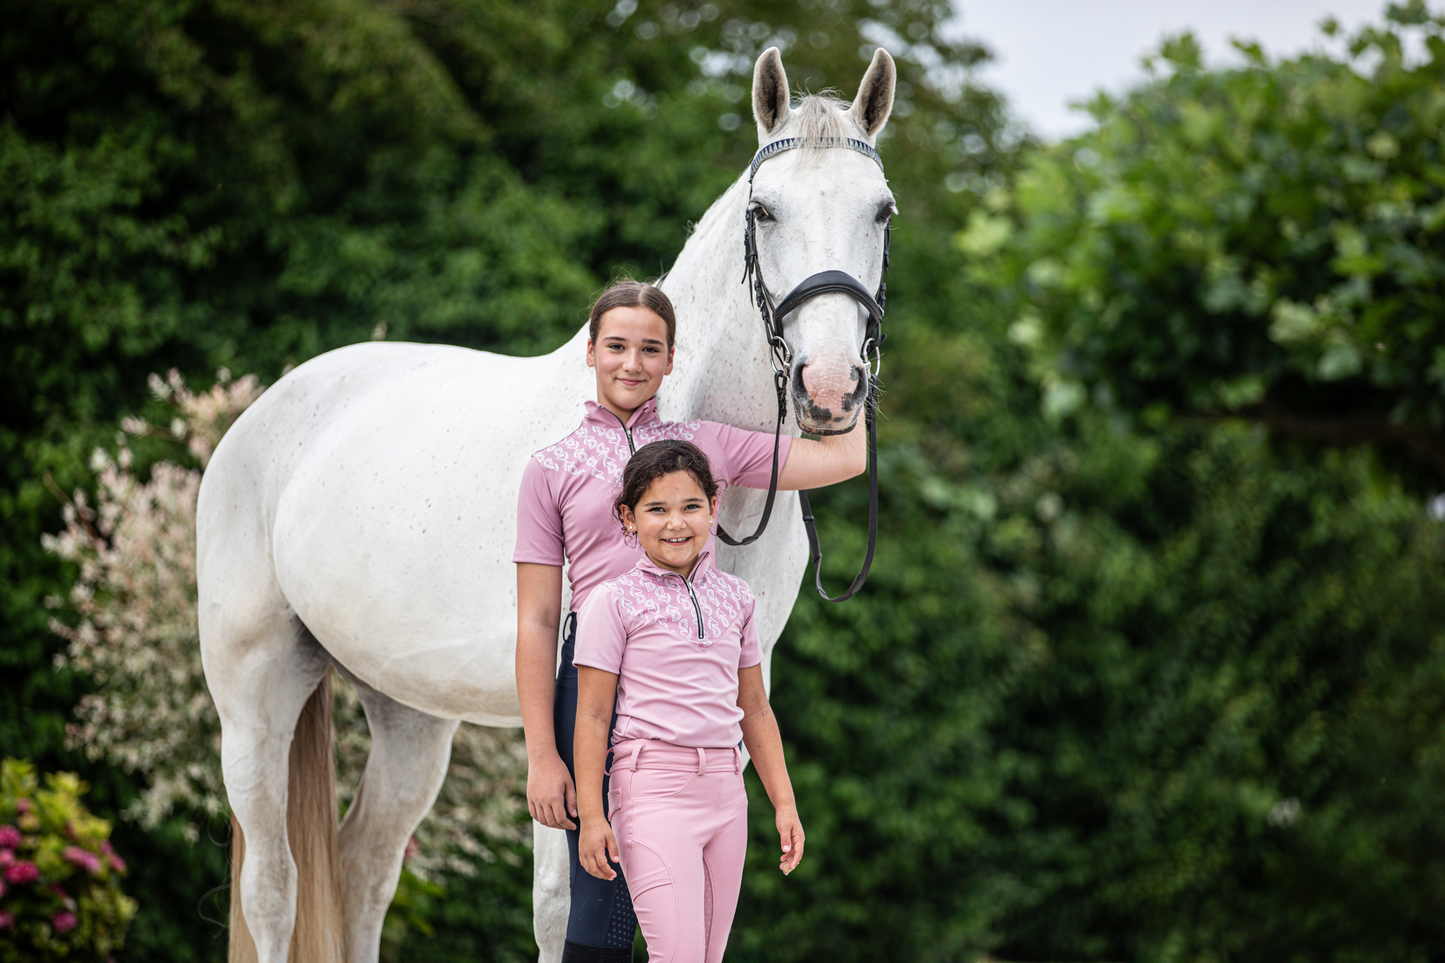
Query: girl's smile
[[673, 520]]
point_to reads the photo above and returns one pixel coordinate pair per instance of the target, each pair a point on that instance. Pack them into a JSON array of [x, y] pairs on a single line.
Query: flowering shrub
[[136, 635], [60, 895]]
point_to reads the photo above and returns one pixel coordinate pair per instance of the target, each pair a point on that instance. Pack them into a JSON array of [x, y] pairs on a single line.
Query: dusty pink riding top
[[676, 646], [564, 509]]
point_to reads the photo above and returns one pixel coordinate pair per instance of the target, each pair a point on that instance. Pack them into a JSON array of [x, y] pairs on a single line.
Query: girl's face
[[631, 357], [672, 520]]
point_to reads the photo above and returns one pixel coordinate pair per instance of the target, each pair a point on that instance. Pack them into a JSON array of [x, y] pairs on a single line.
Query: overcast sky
[[1049, 52]]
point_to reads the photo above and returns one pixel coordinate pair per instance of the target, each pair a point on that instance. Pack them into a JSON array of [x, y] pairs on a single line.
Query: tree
[[1266, 242]]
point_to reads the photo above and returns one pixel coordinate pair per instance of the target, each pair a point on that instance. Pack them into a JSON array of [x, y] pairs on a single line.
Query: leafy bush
[[60, 898], [1265, 242]]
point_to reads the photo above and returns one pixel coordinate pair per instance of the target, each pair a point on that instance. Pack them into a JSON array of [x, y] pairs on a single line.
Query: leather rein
[[773, 312]]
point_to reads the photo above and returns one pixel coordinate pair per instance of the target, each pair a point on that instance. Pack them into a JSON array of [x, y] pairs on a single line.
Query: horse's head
[[818, 208]]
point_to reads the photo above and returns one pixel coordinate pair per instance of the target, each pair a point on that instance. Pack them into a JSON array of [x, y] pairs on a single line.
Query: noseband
[[773, 312]]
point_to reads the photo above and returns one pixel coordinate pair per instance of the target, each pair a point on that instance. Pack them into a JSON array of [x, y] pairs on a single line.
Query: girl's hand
[[790, 833], [551, 797], [596, 846]]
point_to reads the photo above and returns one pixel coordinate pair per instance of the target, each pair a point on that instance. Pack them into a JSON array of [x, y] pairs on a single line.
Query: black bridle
[[773, 312]]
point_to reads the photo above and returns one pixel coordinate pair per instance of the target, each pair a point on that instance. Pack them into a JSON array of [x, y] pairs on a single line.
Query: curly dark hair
[[632, 294], [659, 458]]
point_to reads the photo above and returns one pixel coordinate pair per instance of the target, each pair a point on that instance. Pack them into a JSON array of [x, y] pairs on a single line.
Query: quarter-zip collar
[[699, 570], [646, 413], [607, 418], [704, 563]]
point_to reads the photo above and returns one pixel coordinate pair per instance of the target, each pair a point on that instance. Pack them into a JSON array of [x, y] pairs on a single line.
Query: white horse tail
[[311, 828]]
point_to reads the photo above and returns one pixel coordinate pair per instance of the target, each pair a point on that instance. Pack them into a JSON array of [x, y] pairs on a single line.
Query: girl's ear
[[591, 355], [628, 522], [712, 506]]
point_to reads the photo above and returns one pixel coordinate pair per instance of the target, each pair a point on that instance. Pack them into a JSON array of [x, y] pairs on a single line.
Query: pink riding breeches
[[680, 816]]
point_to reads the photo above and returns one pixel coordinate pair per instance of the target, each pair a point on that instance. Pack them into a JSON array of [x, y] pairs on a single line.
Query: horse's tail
[[311, 828]]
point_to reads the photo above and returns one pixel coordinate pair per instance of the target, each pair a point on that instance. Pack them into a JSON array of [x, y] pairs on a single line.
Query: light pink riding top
[[565, 505], [676, 646]]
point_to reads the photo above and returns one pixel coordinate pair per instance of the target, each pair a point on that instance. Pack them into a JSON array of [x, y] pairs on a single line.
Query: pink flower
[[63, 922], [116, 863], [83, 858], [23, 871], [6, 858], [412, 848], [9, 836], [23, 805], [7, 920]]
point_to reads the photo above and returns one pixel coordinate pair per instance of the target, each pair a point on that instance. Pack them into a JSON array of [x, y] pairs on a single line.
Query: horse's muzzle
[[827, 402]]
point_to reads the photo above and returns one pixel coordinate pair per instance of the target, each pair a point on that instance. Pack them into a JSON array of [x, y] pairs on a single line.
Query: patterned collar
[[606, 418], [699, 571]]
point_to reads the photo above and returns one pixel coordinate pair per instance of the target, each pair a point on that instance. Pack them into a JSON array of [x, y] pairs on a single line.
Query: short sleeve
[[539, 519], [601, 635], [748, 455], [752, 649]]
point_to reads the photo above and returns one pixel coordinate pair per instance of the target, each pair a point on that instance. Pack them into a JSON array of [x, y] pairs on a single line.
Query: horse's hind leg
[[408, 762], [261, 669]]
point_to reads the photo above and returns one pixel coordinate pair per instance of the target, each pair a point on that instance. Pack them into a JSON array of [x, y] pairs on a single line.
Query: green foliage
[[484, 916], [1110, 698], [61, 894], [1266, 241]]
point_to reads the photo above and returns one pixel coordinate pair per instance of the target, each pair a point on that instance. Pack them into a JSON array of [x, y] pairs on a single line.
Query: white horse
[[361, 515]]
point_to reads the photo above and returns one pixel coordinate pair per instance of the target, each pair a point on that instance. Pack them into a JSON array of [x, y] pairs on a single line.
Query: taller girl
[[565, 514]]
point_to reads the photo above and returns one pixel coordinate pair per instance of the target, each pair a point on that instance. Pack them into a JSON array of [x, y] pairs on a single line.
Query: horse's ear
[[770, 93], [875, 94]]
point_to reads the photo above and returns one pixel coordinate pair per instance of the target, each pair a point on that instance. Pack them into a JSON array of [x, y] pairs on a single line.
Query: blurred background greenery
[[1151, 665]]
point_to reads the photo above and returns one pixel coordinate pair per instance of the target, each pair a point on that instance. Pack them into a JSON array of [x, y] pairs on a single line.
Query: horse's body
[[362, 515]]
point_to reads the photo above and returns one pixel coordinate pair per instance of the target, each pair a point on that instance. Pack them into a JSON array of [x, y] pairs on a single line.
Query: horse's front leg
[[551, 895]]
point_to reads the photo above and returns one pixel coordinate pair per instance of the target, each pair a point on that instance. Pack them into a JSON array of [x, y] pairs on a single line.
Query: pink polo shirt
[[564, 509], [676, 645]]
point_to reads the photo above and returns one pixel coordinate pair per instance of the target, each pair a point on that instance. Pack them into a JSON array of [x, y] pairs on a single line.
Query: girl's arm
[[832, 458], [596, 690], [765, 745], [551, 797]]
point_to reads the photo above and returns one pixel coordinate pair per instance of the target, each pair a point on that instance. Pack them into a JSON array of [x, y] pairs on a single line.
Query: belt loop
[[737, 760], [701, 761], [636, 751]]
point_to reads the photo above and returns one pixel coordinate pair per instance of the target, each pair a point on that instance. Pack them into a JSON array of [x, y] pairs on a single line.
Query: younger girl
[[674, 642]]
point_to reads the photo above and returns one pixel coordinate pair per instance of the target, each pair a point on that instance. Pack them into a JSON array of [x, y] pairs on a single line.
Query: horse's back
[[384, 478]]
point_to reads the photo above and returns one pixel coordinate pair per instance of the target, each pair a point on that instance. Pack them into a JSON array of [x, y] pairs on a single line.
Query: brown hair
[[632, 294], [659, 458]]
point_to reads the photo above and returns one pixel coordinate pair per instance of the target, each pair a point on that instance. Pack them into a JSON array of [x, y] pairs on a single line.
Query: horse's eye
[[885, 213], [760, 213]]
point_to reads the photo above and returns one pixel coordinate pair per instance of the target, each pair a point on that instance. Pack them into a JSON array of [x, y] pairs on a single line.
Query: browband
[[788, 143]]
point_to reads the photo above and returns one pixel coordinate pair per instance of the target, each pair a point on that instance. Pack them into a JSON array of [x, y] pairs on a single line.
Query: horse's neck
[[722, 372]]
